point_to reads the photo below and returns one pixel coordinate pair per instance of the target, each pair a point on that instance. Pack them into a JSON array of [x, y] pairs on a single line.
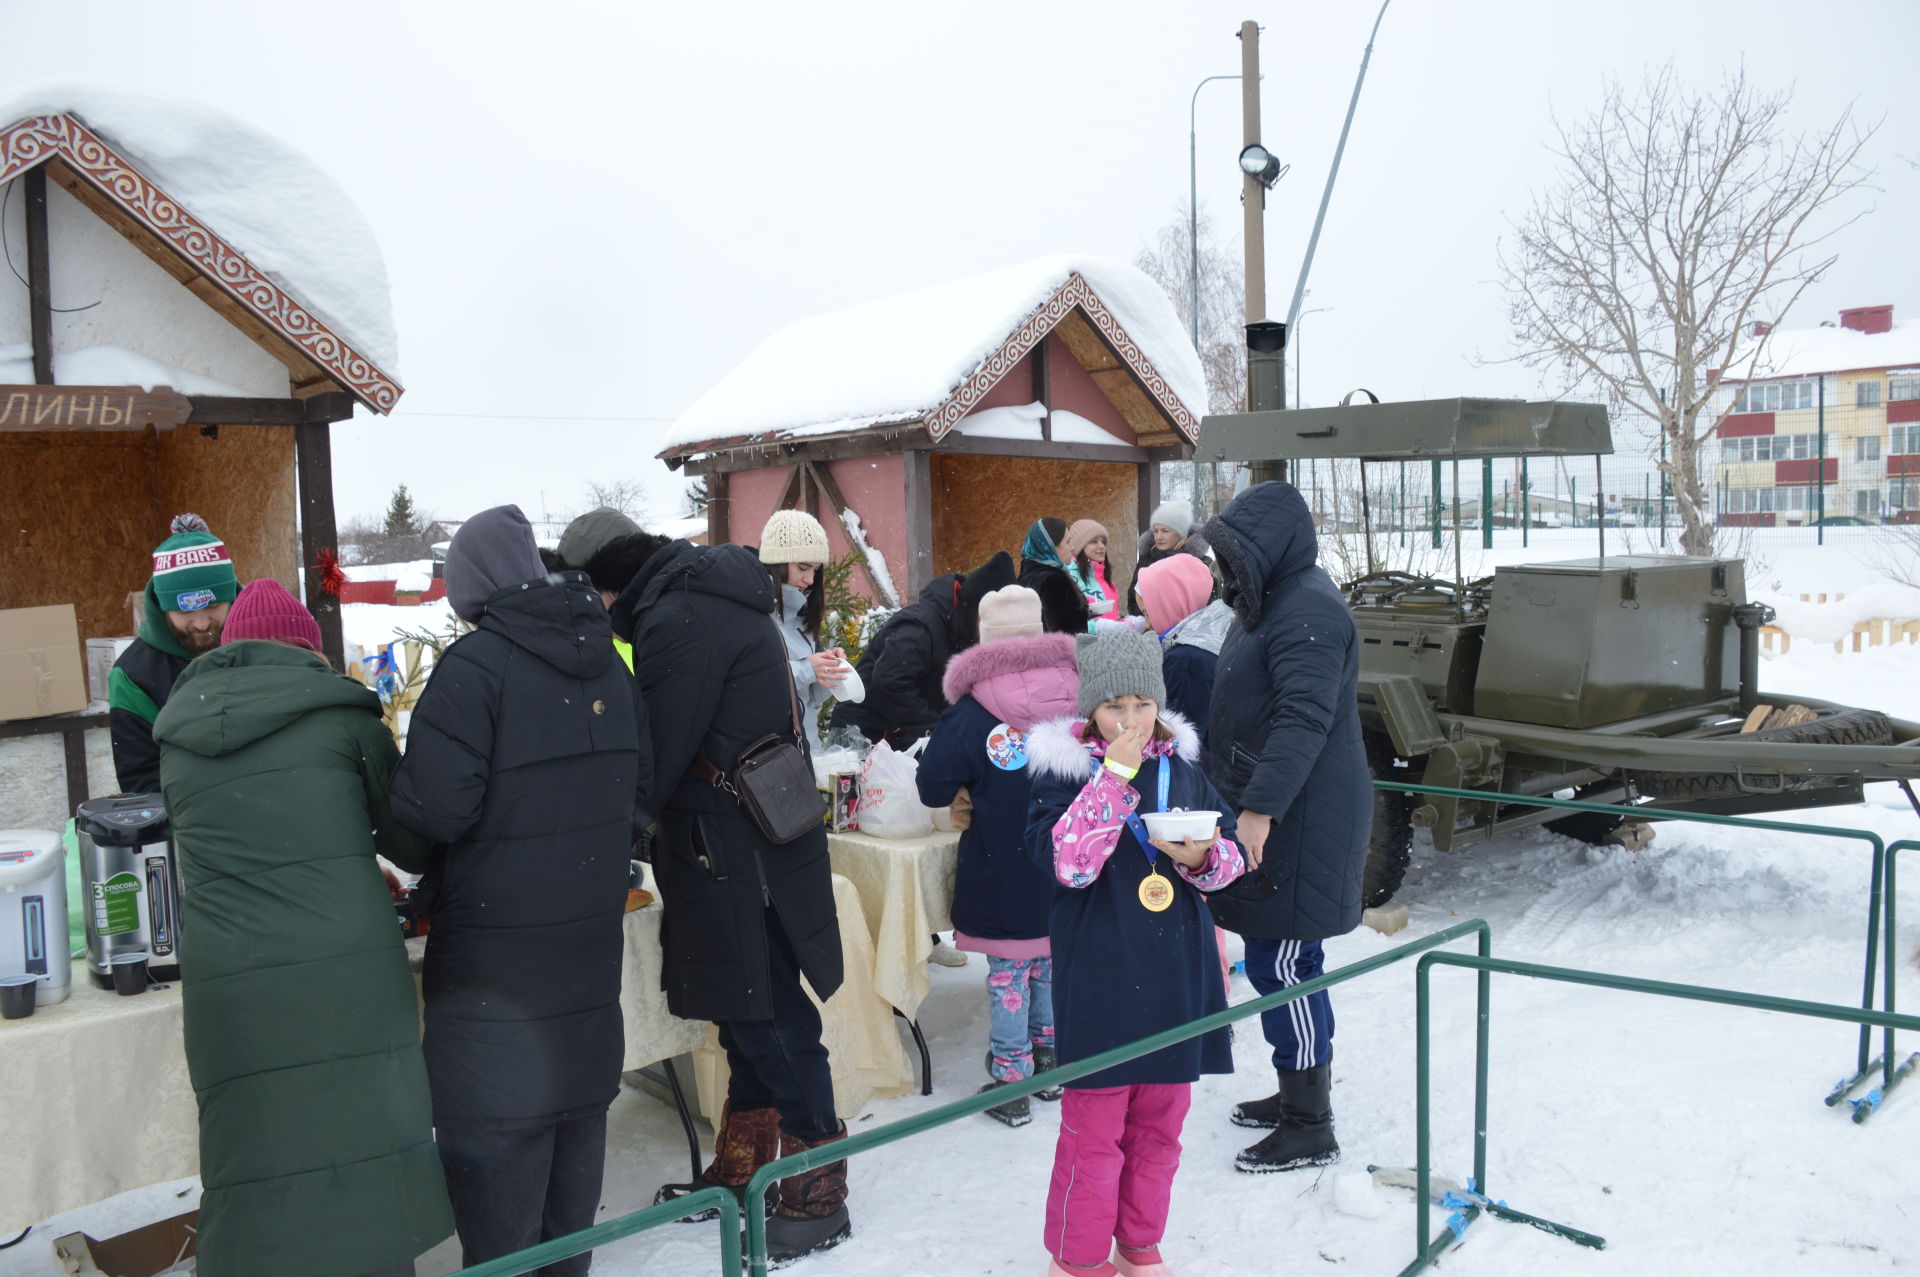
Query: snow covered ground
[[1692, 1137]]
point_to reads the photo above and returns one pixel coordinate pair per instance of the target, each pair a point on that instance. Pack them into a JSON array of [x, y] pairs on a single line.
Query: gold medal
[[1156, 893]]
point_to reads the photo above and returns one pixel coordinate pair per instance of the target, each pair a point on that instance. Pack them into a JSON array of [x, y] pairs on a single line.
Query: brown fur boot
[[813, 1206], [748, 1139]]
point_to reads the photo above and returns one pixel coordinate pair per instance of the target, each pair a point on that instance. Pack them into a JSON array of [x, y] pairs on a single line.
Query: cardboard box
[[40, 668], [843, 801]]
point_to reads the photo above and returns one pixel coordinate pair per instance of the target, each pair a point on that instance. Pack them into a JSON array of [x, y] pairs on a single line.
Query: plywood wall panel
[[984, 504], [82, 515]]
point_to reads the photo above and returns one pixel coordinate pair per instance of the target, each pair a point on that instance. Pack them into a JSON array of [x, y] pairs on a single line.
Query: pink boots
[[1127, 1262]]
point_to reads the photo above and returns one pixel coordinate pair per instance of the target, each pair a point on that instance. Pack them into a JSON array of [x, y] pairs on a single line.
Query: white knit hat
[[793, 536], [1175, 514], [1013, 611]]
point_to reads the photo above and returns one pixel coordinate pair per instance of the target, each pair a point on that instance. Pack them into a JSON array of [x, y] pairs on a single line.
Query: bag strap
[[717, 778]]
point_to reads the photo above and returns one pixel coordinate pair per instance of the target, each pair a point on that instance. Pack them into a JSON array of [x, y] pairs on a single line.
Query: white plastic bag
[[890, 805]]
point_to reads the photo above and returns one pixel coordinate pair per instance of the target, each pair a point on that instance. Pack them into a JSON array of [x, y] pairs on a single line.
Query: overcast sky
[[591, 212]]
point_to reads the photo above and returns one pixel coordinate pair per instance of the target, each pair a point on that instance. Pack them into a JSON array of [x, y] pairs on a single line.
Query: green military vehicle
[[1629, 679]]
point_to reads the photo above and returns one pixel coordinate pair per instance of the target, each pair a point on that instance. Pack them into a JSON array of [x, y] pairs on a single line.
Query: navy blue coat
[[1121, 972], [999, 892], [1188, 671], [1285, 736]]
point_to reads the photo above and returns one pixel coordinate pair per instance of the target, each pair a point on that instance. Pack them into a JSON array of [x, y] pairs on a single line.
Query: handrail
[[1879, 889], [1426, 1252], [525, 1261], [879, 1136]]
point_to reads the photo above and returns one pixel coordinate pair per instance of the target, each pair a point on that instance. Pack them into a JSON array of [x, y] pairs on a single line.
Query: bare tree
[[1168, 260], [1683, 226], [628, 496]]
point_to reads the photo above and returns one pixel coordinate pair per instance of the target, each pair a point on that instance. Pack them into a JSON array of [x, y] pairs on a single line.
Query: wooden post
[[1043, 386], [717, 529], [919, 468], [39, 275], [313, 463]]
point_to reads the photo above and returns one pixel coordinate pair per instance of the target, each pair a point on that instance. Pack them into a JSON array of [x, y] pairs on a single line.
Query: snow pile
[[914, 349], [389, 571], [876, 561], [1829, 622], [108, 366], [268, 200], [1023, 422]]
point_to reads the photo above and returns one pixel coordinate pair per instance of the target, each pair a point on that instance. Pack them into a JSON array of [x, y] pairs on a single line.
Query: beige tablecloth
[[906, 893], [856, 1026], [95, 1100]]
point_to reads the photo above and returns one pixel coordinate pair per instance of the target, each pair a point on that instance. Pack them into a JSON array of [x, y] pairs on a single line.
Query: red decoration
[[332, 579]]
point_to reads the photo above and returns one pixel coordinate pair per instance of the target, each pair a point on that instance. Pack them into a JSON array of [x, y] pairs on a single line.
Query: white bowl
[[1177, 826], [851, 688]]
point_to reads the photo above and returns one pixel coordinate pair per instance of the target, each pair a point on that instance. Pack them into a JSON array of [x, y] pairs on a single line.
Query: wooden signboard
[[90, 408]]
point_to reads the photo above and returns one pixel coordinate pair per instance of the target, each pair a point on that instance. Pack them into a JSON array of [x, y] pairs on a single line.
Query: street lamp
[[1193, 242], [1293, 336]]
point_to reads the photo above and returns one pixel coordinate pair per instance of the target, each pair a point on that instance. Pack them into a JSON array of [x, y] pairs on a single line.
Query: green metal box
[[1589, 642]]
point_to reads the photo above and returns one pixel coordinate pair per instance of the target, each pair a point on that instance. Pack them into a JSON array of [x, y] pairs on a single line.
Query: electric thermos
[[132, 880], [33, 911]]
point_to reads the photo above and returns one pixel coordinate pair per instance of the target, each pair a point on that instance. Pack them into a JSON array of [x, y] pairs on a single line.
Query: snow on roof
[[108, 366], [900, 358], [1802, 352], [268, 200]]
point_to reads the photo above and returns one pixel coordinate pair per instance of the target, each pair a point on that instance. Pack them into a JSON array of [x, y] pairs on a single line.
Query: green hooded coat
[[302, 1023]]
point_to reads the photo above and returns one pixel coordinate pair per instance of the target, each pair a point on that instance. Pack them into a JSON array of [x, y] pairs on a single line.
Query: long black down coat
[[1285, 735], [712, 666], [524, 758]]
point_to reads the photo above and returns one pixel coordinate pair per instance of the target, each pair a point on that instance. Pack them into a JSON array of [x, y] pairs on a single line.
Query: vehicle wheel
[[1843, 726], [1390, 848]]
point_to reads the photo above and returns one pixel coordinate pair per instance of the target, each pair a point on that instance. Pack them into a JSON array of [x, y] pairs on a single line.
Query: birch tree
[[1682, 226]]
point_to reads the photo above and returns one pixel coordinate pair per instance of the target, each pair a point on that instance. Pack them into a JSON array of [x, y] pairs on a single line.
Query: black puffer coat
[[712, 666], [523, 762], [1285, 736]]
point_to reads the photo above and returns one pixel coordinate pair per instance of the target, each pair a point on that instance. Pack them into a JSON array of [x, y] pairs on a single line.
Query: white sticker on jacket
[[1007, 748]]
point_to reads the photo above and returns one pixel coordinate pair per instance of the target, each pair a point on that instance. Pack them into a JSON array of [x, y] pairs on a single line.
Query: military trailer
[[1629, 679]]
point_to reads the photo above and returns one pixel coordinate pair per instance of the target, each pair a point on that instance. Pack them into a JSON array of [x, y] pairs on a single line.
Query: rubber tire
[[1390, 845], [1843, 726]]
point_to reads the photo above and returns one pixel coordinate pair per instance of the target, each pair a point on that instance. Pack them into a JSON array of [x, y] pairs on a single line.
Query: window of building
[[1866, 448], [1769, 448], [1866, 394], [1781, 500], [1903, 494], [1778, 396], [1903, 385], [1904, 441]]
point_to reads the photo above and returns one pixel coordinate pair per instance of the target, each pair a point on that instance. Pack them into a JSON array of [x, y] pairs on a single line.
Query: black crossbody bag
[[772, 780]]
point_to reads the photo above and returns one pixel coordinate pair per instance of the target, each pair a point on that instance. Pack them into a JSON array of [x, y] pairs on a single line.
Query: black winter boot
[[1045, 1058], [1015, 1112], [1261, 1115], [1304, 1136], [747, 1140]]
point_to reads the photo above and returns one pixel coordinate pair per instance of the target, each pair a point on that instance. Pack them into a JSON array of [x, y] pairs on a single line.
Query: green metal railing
[[1882, 916], [525, 1261], [1476, 1201]]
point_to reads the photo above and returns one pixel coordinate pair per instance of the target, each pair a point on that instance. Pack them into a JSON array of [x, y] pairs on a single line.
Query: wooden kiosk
[[933, 428]]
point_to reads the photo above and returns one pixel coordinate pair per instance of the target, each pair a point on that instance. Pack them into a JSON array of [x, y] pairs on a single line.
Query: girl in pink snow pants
[[1133, 950]]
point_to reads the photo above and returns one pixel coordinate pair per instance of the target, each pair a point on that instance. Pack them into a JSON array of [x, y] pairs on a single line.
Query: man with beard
[[192, 586]]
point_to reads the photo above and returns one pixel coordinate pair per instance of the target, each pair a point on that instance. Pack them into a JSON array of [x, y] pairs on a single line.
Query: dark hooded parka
[[302, 1028], [524, 758], [905, 660], [137, 691], [712, 665], [1285, 736]]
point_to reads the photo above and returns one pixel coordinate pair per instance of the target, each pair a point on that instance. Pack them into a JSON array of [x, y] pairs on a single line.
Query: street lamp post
[[1193, 243]]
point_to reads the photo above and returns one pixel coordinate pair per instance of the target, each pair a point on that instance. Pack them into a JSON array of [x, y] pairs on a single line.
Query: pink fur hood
[[1021, 681]]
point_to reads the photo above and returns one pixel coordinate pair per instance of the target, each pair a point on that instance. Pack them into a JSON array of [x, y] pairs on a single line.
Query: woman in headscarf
[[1063, 608]]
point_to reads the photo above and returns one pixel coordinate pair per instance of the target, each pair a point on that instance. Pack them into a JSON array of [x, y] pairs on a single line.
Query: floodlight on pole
[[1257, 162]]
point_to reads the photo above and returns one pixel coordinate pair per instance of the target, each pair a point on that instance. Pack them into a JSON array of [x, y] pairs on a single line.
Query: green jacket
[[302, 1023]]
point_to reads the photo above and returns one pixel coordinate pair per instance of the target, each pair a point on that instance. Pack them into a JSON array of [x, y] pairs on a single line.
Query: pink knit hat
[[265, 610], [1079, 532], [1170, 589]]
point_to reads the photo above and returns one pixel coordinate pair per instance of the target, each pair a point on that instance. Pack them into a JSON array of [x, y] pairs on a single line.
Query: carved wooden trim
[[37, 139], [1075, 293]]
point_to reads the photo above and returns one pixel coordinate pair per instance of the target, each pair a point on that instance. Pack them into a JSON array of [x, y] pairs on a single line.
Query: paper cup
[[18, 994], [129, 973]]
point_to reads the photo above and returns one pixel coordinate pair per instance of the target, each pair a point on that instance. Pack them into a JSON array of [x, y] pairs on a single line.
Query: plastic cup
[[129, 973], [18, 994]]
